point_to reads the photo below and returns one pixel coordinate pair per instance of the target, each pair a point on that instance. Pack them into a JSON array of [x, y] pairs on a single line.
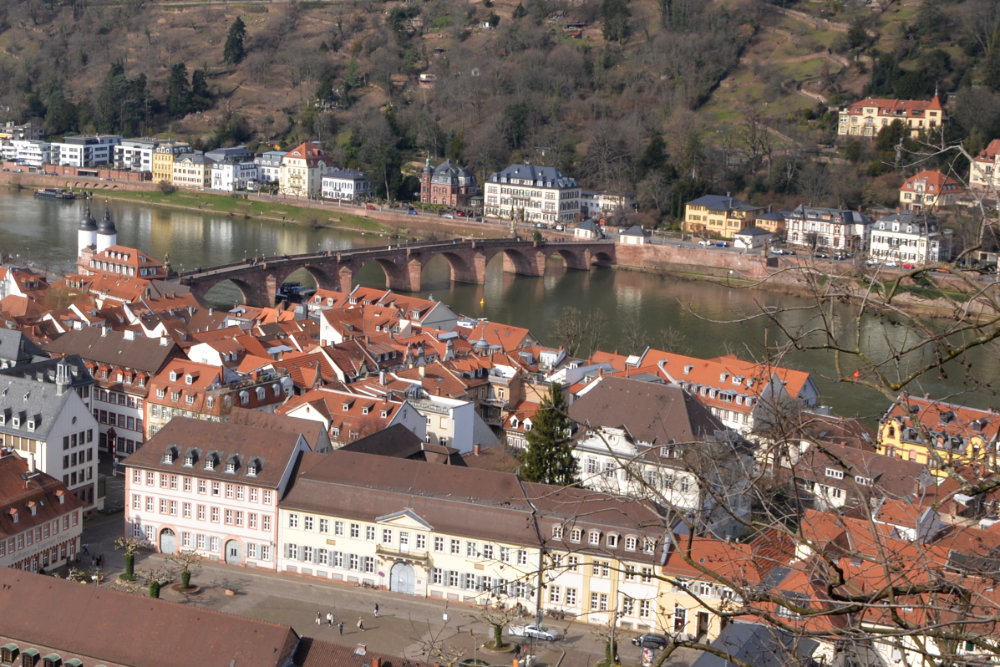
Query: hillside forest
[[669, 99]]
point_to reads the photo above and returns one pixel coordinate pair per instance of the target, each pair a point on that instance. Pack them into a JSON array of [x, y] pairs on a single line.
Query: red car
[[370, 207], [460, 214]]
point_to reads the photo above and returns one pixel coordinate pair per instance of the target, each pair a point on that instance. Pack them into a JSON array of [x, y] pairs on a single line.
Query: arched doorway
[[401, 578], [168, 541], [234, 553]]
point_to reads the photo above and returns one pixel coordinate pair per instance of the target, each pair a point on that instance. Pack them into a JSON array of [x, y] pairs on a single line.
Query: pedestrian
[[319, 618], [329, 619], [361, 624], [517, 650], [376, 610], [340, 628]]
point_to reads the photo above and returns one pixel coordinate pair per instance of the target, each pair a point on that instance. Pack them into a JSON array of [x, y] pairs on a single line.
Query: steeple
[[107, 235], [86, 235]]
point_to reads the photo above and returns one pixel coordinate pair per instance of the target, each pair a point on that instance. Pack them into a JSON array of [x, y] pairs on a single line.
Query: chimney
[[62, 377], [376, 662], [423, 370], [381, 378], [61, 495], [475, 449], [31, 464]]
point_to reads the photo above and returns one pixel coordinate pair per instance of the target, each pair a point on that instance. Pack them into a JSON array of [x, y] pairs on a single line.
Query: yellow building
[[719, 216], [193, 171], [938, 434], [163, 160], [302, 169], [868, 116], [472, 536]]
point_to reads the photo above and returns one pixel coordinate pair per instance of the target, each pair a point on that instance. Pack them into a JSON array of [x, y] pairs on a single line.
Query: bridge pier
[[472, 272], [346, 278], [405, 278], [270, 290]]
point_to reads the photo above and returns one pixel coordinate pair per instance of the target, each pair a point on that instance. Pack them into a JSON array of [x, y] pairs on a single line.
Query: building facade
[[345, 185], [449, 184], [719, 216], [909, 238], [85, 151], [162, 162], [867, 117], [532, 194], [929, 189], [135, 154], [211, 488], [302, 171], [827, 228]]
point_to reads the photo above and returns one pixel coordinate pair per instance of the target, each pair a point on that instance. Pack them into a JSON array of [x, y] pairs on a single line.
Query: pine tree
[[548, 457], [234, 53], [178, 91]]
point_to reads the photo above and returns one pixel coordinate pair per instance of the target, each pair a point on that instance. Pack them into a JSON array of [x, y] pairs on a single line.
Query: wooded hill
[[671, 98]]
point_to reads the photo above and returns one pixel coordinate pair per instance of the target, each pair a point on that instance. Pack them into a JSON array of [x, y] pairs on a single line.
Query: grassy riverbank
[[239, 206]]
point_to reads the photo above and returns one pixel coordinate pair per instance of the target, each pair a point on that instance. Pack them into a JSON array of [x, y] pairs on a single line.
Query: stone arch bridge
[[258, 279]]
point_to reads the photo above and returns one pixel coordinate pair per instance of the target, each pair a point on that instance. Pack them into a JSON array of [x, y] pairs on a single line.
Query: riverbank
[[939, 295]]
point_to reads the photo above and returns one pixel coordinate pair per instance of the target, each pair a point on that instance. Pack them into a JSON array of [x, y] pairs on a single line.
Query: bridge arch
[[521, 261]]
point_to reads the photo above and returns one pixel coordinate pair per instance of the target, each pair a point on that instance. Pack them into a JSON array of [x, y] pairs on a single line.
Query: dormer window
[[169, 455], [261, 393], [173, 376], [594, 538], [384, 414], [211, 461], [31, 423], [346, 407], [231, 464], [210, 402], [190, 459], [364, 410], [612, 541], [160, 393], [17, 421], [253, 468], [188, 379], [244, 397]]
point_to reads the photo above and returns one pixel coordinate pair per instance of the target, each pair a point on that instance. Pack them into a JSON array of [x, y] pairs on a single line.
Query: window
[[265, 522], [438, 544], [149, 503], [644, 608], [555, 594], [293, 520], [370, 533], [215, 515], [557, 532], [648, 545], [628, 607], [601, 568], [570, 596], [572, 562], [522, 557], [338, 527], [575, 535], [471, 550], [593, 601], [421, 541], [834, 473], [594, 538], [136, 501], [505, 554], [292, 551], [488, 551], [355, 530], [307, 522], [386, 536], [612, 541], [201, 512], [215, 488], [252, 520], [456, 547], [324, 525]]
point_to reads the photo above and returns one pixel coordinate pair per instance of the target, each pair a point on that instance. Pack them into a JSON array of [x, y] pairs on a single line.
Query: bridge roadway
[[258, 278]]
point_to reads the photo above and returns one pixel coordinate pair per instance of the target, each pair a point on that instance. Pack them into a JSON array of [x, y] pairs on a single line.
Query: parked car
[[370, 207], [821, 255], [705, 243], [650, 640], [534, 630], [721, 244], [909, 265], [460, 214], [560, 228], [411, 211], [448, 215]]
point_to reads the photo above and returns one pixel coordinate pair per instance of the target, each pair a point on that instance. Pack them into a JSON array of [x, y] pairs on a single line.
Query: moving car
[[650, 640], [534, 630]]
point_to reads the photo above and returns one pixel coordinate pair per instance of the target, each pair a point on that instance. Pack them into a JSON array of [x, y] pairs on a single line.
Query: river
[[701, 319]]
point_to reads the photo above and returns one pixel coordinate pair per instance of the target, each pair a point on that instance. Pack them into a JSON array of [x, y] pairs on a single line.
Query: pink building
[[212, 488]]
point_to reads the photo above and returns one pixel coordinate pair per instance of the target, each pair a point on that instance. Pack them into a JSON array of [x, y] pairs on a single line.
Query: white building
[[29, 152], [269, 166], [135, 154], [231, 176], [532, 194], [827, 228], [85, 151], [909, 237], [50, 425], [345, 185]]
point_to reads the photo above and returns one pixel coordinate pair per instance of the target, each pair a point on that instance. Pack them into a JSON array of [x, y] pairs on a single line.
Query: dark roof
[[46, 370], [723, 203], [106, 226], [759, 645], [16, 347], [112, 347], [450, 173], [753, 231], [315, 653], [401, 442], [540, 177], [313, 431], [272, 450], [86, 622], [461, 501], [652, 412]]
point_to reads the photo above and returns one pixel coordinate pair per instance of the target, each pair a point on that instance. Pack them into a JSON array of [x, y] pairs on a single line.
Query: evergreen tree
[[201, 96], [178, 91], [233, 53], [548, 457]]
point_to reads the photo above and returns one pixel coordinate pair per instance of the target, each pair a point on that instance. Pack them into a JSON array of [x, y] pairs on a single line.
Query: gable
[[405, 518]]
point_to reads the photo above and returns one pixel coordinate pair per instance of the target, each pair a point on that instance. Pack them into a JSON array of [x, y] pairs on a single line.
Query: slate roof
[[723, 203], [112, 347], [455, 500], [35, 405], [450, 173], [651, 412], [401, 442], [539, 177], [16, 347], [86, 622], [44, 370], [758, 645], [239, 442]]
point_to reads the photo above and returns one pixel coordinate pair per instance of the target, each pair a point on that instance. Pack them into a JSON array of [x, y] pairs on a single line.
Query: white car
[[534, 630]]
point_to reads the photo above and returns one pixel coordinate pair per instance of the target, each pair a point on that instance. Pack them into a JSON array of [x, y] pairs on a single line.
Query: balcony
[[402, 553]]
